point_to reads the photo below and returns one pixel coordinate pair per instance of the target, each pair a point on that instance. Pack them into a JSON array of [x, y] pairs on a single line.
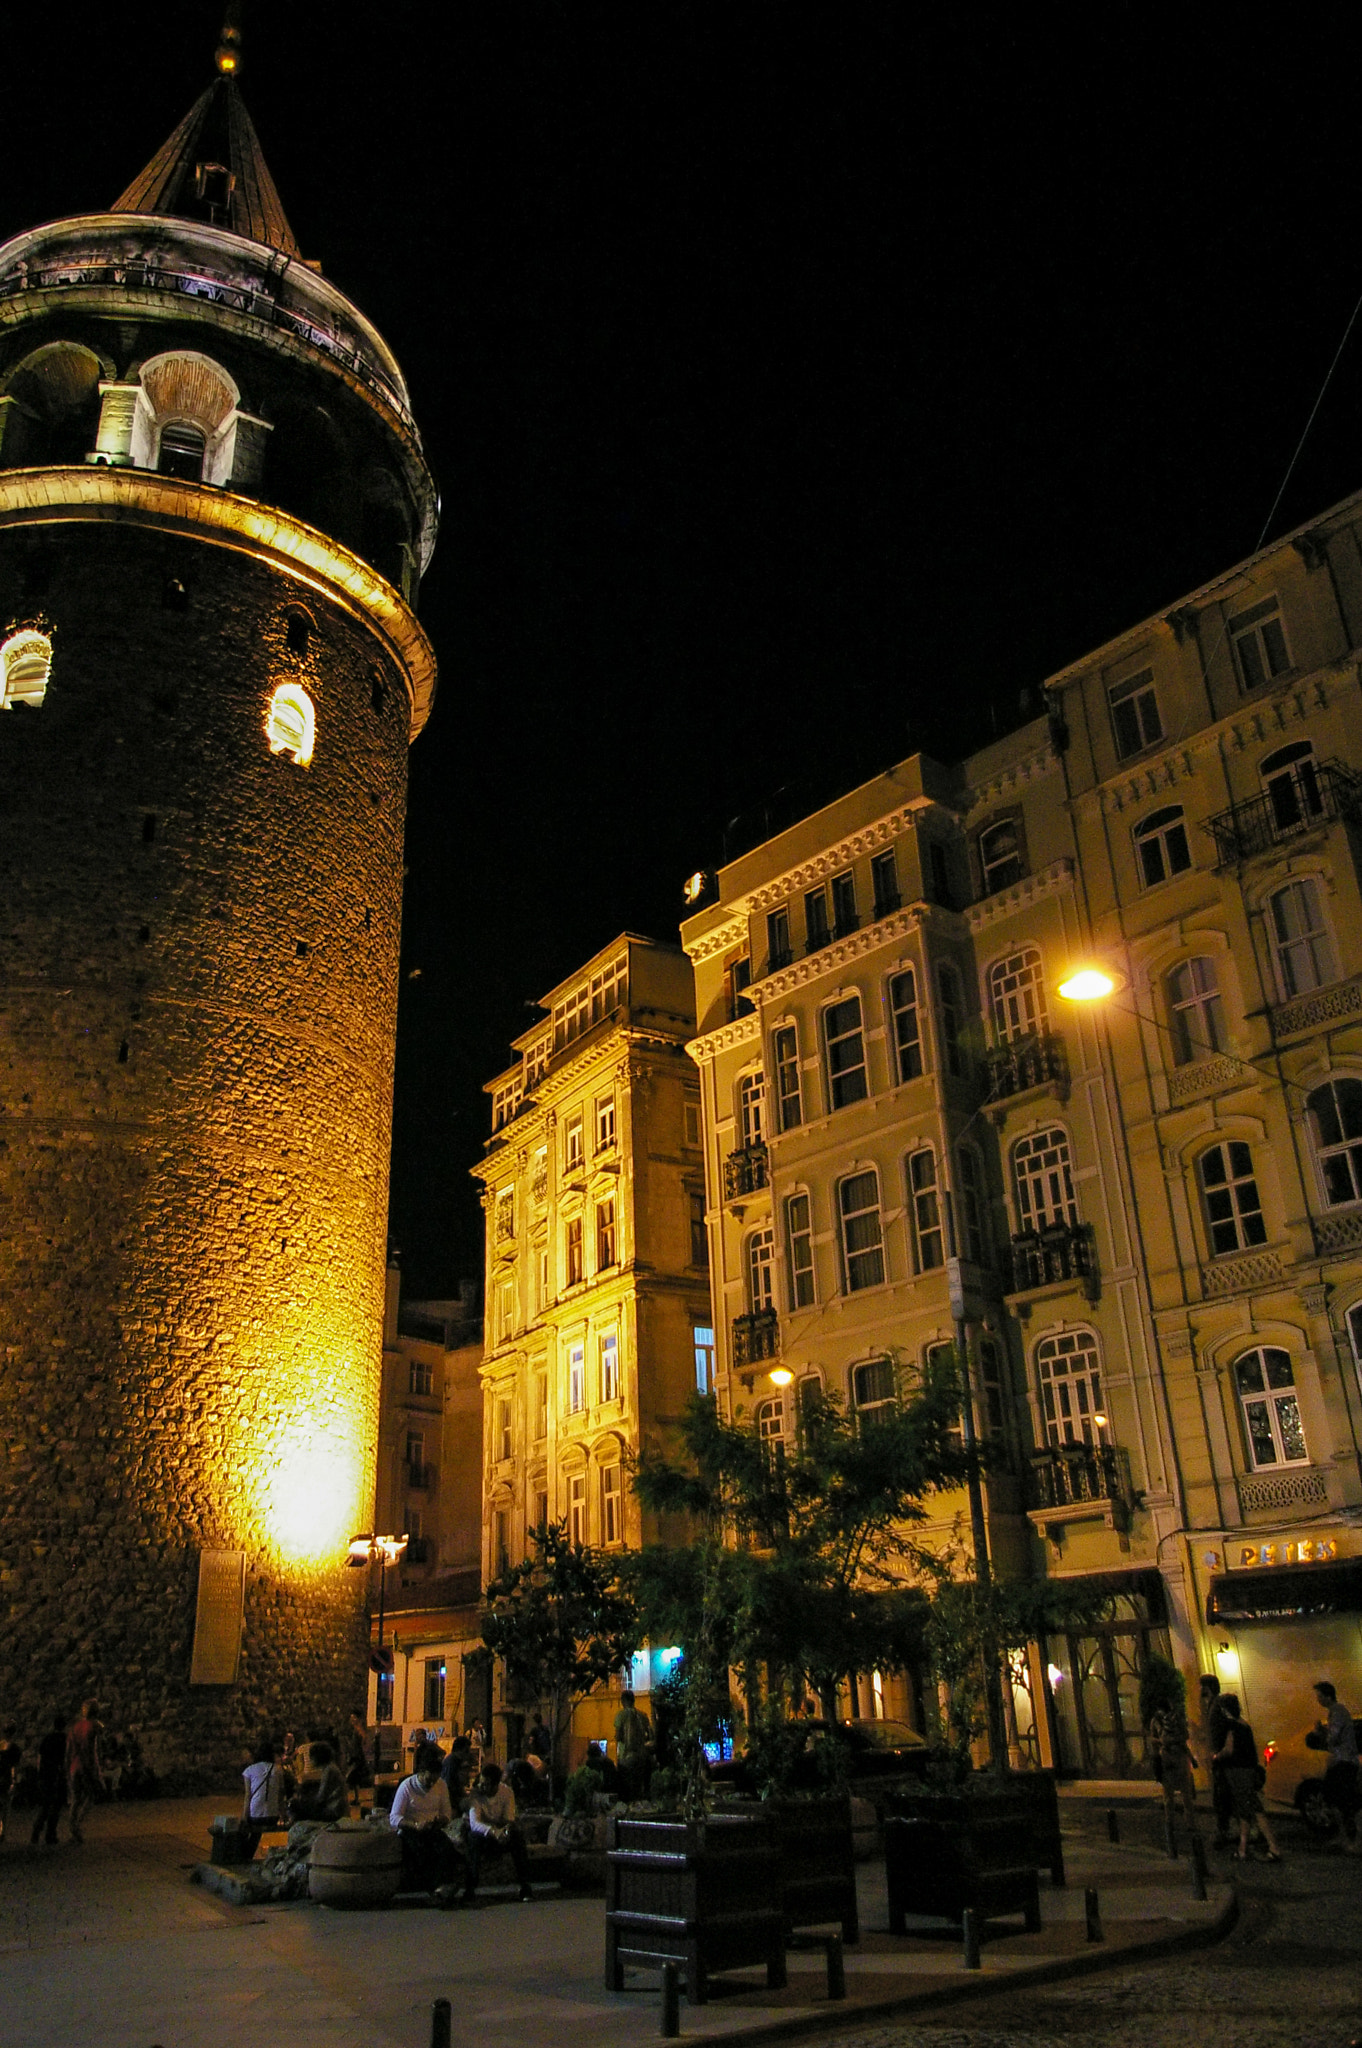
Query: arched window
[[906, 1028], [799, 1250], [770, 1419], [1161, 845], [1043, 1180], [183, 419], [858, 1208], [1335, 1112], [291, 724], [760, 1252], [752, 1108], [846, 1052], [1272, 1415], [182, 450], [1069, 1380], [1194, 1007], [1229, 1190], [924, 1211], [612, 1504], [1300, 938], [1016, 996], [1292, 786], [874, 1391], [1001, 859], [25, 665]]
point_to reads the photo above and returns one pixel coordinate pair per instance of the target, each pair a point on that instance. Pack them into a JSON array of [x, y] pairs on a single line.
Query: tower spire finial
[[227, 56]]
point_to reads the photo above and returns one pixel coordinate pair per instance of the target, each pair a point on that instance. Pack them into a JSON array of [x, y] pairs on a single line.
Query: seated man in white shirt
[[491, 1826], [422, 1812]]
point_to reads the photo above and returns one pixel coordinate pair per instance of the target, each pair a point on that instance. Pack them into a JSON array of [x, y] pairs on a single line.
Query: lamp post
[[365, 1550]]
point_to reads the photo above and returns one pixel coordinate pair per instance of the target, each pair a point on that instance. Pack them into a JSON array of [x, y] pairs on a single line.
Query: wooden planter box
[[1029, 1797], [817, 1852], [705, 1894], [939, 1868]]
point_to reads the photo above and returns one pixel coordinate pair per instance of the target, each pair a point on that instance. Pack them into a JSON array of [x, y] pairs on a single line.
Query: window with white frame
[[541, 1406], [1292, 785], [799, 1250], [1135, 721], [505, 1309], [1335, 1113], [777, 939], [610, 1366], [577, 1510], [576, 1378], [1273, 1430], [572, 1143], [422, 1379], [952, 1014], [846, 1052], [874, 1391], [702, 1337], [1259, 643], [1194, 1009], [906, 1025], [752, 1108], [1229, 1193], [816, 932], [884, 883], [690, 1110], [770, 1419], [503, 1427], [612, 1505], [970, 1186], [1301, 945], [858, 1205], [785, 1063], [924, 1211], [844, 918], [539, 1173], [506, 1102], [1016, 996], [605, 1122], [1001, 858], [1042, 1180], [1161, 845], [1069, 1382], [573, 1268], [606, 1247], [760, 1280]]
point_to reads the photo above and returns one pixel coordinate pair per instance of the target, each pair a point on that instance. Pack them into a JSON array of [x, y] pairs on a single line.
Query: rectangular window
[[612, 1506], [816, 931], [929, 1250], [1135, 717], [971, 1218], [541, 1406], [858, 1201], [992, 1388], [1304, 950], [906, 1026], [739, 980], [505, 1214], [572, 1144], [799, 1248], [752, 1108], [540, 1500], [501, 1542], [416, 1528], [699, 1234], [874, 1391], [691, 1116], [576, 1379], [422, 1378], [605, 1235], [1001, 859], [1234, 1214], [605, 1122], [577, 1510], [777, 939], [844, 918], [938, 874], [610, 1366], [539, 1173], [503, 1430], [505, 1309], [702, 1336], [416, 1451], [572, 1248], [952, 1019], [1162, 846], [846, 1052], [884, 882], [434, 1709], [785, 1060], [1259, 643], [542, 1269]]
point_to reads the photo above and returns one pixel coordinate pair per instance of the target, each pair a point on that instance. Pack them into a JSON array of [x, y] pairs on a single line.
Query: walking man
[[1337, 1734], [82, 1764], [633, 1734], [51, 1780]]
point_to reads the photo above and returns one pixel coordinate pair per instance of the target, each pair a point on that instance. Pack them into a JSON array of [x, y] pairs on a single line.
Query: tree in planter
[[562, 1624]]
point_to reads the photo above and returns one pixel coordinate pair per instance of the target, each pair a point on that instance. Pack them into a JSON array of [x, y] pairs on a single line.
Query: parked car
[[1295, 1776], [873, 1749]]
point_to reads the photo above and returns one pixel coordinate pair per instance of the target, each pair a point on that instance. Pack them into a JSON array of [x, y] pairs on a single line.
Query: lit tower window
[[25, 664], [291, 725]]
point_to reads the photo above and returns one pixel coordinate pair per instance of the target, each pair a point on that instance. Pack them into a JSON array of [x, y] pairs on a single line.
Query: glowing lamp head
[[1087, 985], [360, 1550], [693, 888], [780, 1376]]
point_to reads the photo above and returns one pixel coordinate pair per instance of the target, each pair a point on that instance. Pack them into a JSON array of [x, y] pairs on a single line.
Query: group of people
[[426, 1805], [77, 1762], [317, 1779]]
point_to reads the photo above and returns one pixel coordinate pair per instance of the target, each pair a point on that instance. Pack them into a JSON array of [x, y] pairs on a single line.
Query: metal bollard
[[671, 2002], [1093, 1914], [971, 1932], [1170, 1833], [1198, 1867], [1113, 1825], [440, 2023], [837, 1974]]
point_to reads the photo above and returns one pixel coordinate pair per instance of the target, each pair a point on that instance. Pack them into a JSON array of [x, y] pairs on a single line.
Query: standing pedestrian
[[1163, 1707], [82, 1764], [1239, 1755], [51, 1780], [1213, 1731], [357, 1772], [11, 1756], [1337, 1734], [633, 1740]]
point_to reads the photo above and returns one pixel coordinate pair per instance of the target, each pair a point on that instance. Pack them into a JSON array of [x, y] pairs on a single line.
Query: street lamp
[[382, 1550]]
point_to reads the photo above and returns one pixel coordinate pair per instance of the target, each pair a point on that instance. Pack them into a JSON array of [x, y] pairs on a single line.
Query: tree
[[561, 1622], [971, 1628]]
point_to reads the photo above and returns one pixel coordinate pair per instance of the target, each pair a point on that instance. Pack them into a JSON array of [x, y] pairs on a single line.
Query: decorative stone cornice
[[841, 952], [742, 1031], [732, 932], [830, 860], [1265, 721], [1049, 882], [1149, 780], [1016, 775]]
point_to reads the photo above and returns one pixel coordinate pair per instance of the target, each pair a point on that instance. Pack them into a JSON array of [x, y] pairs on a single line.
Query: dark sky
[[801, 382]]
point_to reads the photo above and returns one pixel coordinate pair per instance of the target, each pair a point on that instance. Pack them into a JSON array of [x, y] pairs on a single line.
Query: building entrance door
[[1095, 1684]]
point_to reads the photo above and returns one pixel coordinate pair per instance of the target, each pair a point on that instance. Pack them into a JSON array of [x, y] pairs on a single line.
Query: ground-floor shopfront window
[[1095, 1677]]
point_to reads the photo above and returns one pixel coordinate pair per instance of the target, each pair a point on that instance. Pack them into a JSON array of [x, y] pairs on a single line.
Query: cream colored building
[[597, 1288], [1148, 1217]]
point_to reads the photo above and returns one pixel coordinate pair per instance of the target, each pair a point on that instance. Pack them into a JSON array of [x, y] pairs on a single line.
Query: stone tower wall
[[197, 1015]]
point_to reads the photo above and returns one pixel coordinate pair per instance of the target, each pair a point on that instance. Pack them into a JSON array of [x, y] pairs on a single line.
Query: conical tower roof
[[216, 130]]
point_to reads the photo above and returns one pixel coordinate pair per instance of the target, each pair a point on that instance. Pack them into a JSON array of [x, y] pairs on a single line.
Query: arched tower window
[[291, 723], [182, 450]]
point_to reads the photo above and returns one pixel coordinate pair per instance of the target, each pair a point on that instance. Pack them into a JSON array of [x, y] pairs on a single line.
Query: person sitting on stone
[[263, 1800], [422, 1813], [323, 1794], [492, 1826]]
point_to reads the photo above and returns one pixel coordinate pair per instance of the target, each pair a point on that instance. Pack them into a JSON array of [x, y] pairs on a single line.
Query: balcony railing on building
[[745, 1171], [1302, 804], [1043, 1258], [756, 1337], [1079, 1482], [1025, 1063]]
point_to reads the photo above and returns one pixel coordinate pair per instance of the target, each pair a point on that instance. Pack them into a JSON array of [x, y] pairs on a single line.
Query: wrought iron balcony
[[756, 1337], [745, 1171], [1301, 804], [1025, 1063], [1076, 1476], [1063, 1251]]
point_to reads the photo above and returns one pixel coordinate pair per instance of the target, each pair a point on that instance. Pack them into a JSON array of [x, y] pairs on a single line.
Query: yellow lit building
[[597, 1290]]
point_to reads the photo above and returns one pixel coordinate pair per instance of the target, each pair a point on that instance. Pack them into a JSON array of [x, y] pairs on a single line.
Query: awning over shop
[[1286, 1591]]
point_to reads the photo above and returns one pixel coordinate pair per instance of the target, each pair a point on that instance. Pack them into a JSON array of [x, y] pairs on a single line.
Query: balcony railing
[[1063, 1251], [756, 1337], [1328, 792], [1025, 1063], [1075, 1474], [745, 1171]]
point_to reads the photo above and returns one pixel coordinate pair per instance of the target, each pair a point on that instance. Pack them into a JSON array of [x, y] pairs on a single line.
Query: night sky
[[801, 383]]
